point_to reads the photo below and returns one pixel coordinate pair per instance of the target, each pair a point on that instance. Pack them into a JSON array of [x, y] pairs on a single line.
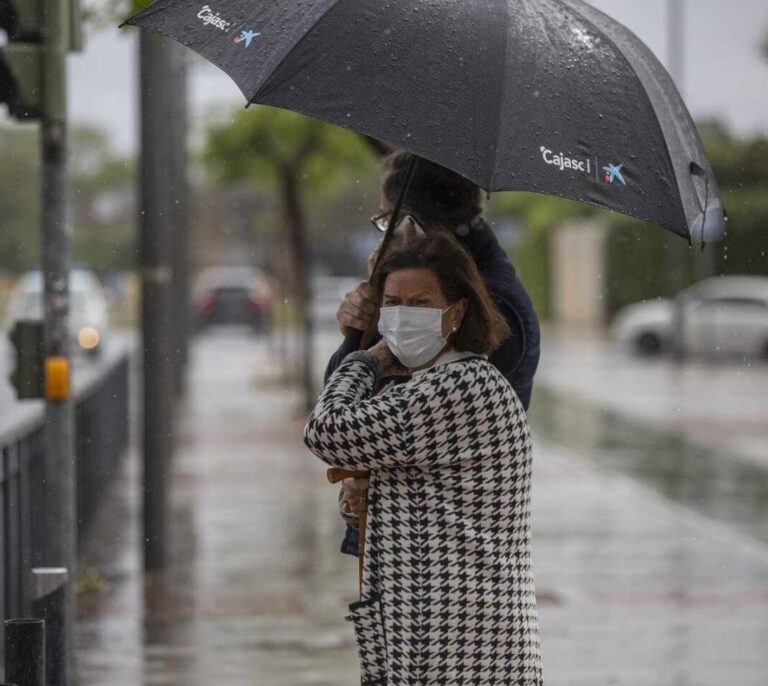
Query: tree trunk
[[294, 216]]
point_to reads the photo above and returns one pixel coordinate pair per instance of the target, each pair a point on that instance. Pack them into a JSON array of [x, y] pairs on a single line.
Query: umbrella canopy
[[550, 96]]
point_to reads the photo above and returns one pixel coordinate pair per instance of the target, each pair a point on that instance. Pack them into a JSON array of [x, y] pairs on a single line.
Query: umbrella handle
[[335, 474], [354, 337], [352, 342]]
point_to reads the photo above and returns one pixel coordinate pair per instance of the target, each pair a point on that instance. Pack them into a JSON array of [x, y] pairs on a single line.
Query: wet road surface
[[710, 481], [634, 586]]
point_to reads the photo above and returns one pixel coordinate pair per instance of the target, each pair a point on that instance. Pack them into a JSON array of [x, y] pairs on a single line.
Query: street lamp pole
[[705, 260], [676, 42], [677, 253]]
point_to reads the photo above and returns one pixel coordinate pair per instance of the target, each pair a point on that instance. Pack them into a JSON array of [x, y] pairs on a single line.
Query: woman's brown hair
[[437, 196], [483, 327]]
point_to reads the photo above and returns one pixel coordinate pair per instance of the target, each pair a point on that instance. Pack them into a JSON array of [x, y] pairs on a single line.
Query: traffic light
[[21, 59], [29, 375]]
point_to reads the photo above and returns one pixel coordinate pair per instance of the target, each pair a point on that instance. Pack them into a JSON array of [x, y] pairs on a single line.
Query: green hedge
[[531, 259], [745, 248], [637, 253]]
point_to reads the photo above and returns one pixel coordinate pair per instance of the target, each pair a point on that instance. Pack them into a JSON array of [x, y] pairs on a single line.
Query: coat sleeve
[[517, 358], [350, 429], [346, 348]]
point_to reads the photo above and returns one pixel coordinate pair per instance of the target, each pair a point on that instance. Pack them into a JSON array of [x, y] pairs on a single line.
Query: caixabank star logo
[[613, 174], [246, 36]]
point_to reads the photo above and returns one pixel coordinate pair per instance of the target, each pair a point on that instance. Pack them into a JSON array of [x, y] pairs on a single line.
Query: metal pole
[[179, 199], [59, 501], [157, 296], [49, 603], [25, 651], [676, 42], [677, 254]]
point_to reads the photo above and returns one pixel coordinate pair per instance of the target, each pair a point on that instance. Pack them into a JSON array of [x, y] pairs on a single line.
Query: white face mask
[[413, 334]]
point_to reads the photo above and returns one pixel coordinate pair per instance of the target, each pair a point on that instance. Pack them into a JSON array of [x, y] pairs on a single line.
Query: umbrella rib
[[293, 48]]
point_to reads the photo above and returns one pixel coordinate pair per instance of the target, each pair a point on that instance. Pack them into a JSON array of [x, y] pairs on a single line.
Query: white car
[[724, 317], [88, 309]]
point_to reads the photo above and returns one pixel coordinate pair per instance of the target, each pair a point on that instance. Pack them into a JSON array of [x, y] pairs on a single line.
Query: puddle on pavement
[[716, 484]]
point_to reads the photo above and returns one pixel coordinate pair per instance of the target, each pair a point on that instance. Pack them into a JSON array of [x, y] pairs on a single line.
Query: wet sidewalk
[[718, 404], [631, 589]]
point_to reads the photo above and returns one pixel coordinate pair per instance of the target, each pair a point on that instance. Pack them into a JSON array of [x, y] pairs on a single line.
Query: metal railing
[[101, 438]]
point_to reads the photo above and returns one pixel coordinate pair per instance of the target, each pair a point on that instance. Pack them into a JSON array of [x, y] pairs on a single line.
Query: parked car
[[88, 309], [232, 295], [723, 316]]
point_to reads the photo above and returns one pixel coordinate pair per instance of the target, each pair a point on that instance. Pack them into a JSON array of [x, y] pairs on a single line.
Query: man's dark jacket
[[517, 357]]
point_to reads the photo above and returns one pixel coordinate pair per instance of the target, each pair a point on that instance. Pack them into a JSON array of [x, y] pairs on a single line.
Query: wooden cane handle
[[335, 475]]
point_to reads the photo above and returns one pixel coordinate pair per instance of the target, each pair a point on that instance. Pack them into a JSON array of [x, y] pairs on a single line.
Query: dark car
[[232, 295]]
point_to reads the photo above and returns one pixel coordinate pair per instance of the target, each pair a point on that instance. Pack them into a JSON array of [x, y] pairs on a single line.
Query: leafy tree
[[296, 157], [102, 199], [99, 13], [19, 197]]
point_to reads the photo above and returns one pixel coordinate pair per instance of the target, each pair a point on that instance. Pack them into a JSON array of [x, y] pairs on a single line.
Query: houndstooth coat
[[448, 594]]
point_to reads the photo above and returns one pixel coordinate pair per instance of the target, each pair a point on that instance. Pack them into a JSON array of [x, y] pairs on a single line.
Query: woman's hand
[[389, 365], [353, 489], [359, 309]]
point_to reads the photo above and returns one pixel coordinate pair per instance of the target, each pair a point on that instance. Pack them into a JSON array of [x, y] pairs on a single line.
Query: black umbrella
[[550, 96]]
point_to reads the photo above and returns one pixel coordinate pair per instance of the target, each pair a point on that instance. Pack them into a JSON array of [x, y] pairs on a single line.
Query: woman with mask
[[447, 588], [439, 200]]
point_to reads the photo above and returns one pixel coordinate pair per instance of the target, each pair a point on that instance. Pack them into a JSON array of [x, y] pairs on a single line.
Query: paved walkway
[[632, 590]]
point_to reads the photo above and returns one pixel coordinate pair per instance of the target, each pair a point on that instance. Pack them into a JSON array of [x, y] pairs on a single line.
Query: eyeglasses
[[381, 223]]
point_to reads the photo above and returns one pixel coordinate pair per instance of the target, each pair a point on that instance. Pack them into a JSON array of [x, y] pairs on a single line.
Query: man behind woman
[[438, 199]]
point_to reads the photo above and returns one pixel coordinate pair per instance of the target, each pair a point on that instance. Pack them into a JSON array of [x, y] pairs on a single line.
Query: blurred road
[[635, 586]]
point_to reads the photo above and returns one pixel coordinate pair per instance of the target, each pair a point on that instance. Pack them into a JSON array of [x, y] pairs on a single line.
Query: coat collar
[[447, 357]]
